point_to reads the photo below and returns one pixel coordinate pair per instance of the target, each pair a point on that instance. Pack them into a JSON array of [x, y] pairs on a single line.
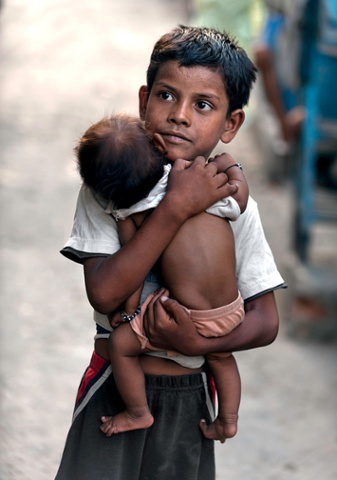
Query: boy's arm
[[192, 187], [226, 164], [169, 326]]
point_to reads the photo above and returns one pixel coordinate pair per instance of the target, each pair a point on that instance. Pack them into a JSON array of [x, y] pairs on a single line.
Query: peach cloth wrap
[[209, 323]]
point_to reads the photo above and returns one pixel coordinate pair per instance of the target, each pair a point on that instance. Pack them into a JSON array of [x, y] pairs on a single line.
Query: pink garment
[[218, 321], [209, 323]]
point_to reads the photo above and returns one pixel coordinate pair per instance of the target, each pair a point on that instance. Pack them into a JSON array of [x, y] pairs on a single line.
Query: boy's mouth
[[175, 137]]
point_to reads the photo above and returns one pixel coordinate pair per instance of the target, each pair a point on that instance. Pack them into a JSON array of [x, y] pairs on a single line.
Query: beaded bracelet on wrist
[[128, 318]]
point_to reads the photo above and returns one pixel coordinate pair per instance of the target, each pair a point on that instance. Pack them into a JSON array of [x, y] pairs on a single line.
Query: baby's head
[[207, 47], [118, 161]]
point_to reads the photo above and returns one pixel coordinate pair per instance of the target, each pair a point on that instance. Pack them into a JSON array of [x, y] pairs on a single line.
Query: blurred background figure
[[279, 113], [295, 121], [286, 56]]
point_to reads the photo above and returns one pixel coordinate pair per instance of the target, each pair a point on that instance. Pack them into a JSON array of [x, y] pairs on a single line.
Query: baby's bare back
[[198, 266]]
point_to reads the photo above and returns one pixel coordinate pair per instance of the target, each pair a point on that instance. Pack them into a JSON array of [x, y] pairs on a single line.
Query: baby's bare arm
[[233, 170], [126, 230]]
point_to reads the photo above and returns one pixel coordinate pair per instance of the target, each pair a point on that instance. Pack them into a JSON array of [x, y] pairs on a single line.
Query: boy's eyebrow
[[208, 95], [165, 85], [204, 95]]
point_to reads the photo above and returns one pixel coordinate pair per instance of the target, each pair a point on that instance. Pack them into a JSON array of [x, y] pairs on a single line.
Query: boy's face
[[188, 107]]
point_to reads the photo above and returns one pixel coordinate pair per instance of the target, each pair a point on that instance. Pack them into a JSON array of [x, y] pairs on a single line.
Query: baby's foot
[[124, 422], [221, 428]]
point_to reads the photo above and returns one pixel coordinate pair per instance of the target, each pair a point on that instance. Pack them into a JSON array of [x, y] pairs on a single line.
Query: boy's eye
[[166, 96], [205, 106]]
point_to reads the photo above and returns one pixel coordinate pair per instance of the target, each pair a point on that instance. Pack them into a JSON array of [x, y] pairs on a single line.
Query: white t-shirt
[[95, 233], [226, 208]]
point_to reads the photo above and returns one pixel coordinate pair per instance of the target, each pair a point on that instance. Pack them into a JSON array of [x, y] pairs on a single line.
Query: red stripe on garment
[[97, 364], [212, 387]]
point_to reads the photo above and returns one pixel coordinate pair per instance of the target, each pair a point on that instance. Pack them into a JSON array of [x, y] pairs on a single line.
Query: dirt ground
[[64, 64]]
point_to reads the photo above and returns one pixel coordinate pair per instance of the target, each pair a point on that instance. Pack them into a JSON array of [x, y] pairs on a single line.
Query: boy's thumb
[[173, 307], [167, 302], [181, 164]]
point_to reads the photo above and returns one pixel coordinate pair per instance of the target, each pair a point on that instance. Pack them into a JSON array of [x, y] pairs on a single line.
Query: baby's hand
[[222, 161], [115, 318], [227, 165]]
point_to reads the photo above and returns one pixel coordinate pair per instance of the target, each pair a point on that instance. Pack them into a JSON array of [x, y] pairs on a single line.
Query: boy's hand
[[195, 186], [168, 325], [115, 318]]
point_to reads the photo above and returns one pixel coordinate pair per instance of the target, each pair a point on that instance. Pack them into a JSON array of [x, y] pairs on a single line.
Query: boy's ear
[[232, 125], [143, 96]]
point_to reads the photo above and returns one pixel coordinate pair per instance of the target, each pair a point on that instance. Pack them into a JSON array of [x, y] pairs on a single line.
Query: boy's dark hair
[[118, 161], [207, 47]]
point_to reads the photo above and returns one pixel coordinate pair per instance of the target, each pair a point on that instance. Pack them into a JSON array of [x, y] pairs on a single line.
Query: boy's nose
[[180, 115]]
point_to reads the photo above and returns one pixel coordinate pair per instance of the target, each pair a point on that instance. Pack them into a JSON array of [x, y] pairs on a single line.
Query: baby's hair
[[198, 46], [118, 161]]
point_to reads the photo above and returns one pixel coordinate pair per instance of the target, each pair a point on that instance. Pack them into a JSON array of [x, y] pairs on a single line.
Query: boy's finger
[[156, 294], [181, 164], [212, 168], [200, 160], [176, 311]]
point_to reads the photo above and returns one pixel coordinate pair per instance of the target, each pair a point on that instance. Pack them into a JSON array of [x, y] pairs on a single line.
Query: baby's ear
[[232, 125], [159, 143]]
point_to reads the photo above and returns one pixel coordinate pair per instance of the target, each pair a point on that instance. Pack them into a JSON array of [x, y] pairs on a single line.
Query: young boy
[[120, 163], [198, 82]]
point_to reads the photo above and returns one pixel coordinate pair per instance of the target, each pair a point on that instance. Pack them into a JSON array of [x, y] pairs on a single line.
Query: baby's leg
[[124, 349], [227, 381]]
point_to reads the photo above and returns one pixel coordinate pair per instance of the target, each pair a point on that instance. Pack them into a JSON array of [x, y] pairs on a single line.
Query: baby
[[127, 169]]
